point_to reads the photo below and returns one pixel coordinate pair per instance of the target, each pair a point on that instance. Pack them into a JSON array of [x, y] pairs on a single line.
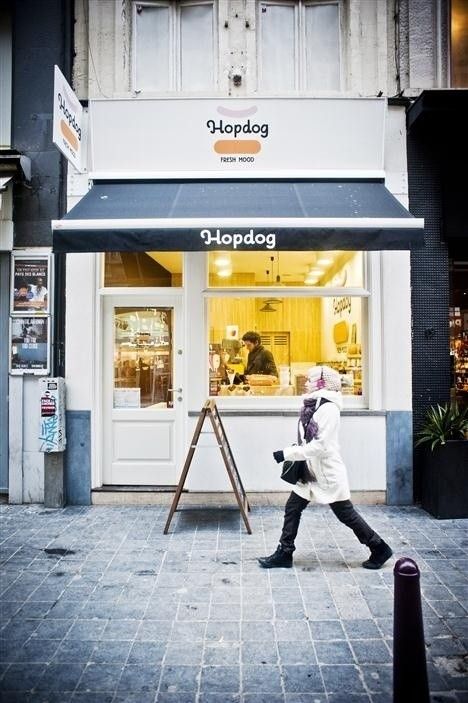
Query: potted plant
[[444, 433]]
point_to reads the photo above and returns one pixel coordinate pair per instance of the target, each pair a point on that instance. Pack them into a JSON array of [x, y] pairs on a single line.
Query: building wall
[[424, 59], [378, 57], [41, 38], [375, 51], [40, 35], [422, 45], [102, 66], [430, 289]]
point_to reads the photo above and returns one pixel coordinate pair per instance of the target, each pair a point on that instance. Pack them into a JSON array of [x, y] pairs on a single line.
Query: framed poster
[[31, 276], [29, 345]]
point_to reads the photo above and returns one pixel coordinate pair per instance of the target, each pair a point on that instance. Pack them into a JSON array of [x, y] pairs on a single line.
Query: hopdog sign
[[252, 239]]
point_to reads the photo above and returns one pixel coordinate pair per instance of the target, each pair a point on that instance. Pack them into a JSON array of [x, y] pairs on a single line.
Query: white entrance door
[[142, 390]]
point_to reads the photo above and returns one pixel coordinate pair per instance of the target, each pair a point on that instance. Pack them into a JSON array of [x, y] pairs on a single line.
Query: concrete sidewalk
[[98, 605]]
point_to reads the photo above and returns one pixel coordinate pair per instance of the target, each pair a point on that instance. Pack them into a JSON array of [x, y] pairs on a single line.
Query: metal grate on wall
[[429, 286]]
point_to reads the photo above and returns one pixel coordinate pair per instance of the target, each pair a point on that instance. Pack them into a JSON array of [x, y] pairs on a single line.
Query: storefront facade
[[238, 228]]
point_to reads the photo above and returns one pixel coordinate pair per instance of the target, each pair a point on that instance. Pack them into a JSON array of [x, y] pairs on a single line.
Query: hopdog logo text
[[237, 239]]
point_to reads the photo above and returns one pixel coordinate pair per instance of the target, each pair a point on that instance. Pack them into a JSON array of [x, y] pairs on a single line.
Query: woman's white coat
[[323, 454]]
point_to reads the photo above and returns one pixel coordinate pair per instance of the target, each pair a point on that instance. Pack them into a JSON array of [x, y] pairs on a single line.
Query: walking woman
[[328, 480]]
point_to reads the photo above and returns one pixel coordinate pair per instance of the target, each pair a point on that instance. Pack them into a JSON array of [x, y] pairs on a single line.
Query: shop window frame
[[371, 336]]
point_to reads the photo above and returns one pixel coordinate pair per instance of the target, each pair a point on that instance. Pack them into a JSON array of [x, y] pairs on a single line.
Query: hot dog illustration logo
[[69, 125], [240, 134]]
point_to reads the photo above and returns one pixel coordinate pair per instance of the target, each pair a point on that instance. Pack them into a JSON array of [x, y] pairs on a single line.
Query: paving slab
[[97, 605]]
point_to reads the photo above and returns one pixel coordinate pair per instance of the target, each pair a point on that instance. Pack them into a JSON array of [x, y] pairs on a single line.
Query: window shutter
[[196, 47], [322, 46], [152, 48], [277, 47]]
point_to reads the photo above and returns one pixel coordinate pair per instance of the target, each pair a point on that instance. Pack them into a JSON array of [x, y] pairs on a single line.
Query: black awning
[[205, 215]]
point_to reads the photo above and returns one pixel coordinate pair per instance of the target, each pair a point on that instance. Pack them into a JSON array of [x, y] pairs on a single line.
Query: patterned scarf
[[309, 407]]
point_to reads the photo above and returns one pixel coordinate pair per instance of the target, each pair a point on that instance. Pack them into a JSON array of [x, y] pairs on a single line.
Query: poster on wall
[[29, 345], [31, 284]]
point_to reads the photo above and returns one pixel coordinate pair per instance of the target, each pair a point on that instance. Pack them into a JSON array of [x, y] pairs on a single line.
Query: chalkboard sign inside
[[210, 410]]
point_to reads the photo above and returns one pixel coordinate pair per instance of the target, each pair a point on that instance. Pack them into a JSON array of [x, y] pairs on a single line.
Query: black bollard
[[409, 654]]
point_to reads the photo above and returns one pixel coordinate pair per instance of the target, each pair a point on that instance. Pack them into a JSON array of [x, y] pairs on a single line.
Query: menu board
[[210, 410]]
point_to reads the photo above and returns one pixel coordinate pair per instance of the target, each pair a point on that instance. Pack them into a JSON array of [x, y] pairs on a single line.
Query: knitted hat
[[325, 377]]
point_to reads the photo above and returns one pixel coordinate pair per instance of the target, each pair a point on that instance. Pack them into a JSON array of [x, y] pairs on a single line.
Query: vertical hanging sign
[[68, 132]]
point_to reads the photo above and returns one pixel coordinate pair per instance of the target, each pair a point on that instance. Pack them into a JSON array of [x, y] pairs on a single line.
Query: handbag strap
[[321, 401]]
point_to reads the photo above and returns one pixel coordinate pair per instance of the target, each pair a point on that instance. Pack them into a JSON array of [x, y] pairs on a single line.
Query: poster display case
[[29, 345], [31, 284], [30, 314]]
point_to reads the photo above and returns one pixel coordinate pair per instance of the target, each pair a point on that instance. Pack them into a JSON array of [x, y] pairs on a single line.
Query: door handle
[[175, 390]]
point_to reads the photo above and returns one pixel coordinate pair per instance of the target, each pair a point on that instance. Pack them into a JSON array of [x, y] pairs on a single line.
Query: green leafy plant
[[443, 423]]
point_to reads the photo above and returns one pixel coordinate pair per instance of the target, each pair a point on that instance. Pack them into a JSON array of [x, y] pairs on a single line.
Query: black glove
[[279, 456]]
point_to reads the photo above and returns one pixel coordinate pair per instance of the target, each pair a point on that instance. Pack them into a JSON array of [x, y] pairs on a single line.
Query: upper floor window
[[459, 43], [299, 46], [173, 46]]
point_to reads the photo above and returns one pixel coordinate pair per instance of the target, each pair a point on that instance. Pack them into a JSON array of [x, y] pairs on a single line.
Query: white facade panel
[[225, 135], [396, 330], [80, 330], [253, 439], [142, 440]]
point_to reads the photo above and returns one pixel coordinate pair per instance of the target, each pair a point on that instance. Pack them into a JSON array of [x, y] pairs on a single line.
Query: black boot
[[278, 559], [380, 553]]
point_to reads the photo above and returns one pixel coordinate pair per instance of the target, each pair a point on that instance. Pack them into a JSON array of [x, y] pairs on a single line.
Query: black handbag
[[294, 471]]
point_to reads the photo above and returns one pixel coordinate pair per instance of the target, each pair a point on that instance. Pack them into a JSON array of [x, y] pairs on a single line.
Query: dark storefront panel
[[437, 157]]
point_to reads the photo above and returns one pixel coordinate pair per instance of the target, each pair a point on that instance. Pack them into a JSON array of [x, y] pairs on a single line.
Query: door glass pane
[[277, 47], [322, 47], [143, 359], [161, 269], [152, 48], [196, 47]]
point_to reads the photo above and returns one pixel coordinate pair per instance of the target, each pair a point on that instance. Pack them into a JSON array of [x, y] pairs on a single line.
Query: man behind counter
[[259, 360]]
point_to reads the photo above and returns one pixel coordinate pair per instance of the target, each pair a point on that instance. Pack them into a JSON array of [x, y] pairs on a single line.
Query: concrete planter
[[445, 480]]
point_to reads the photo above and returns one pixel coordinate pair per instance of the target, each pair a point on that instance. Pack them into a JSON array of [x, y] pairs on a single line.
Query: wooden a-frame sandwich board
[[210, 410]]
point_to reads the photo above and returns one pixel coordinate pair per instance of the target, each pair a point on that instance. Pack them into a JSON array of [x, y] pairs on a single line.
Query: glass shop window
[[304, 269], [458, 325], [459, 43], [142, 269], [328, 326], [297, 333], [173, 46], [299, 46]]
